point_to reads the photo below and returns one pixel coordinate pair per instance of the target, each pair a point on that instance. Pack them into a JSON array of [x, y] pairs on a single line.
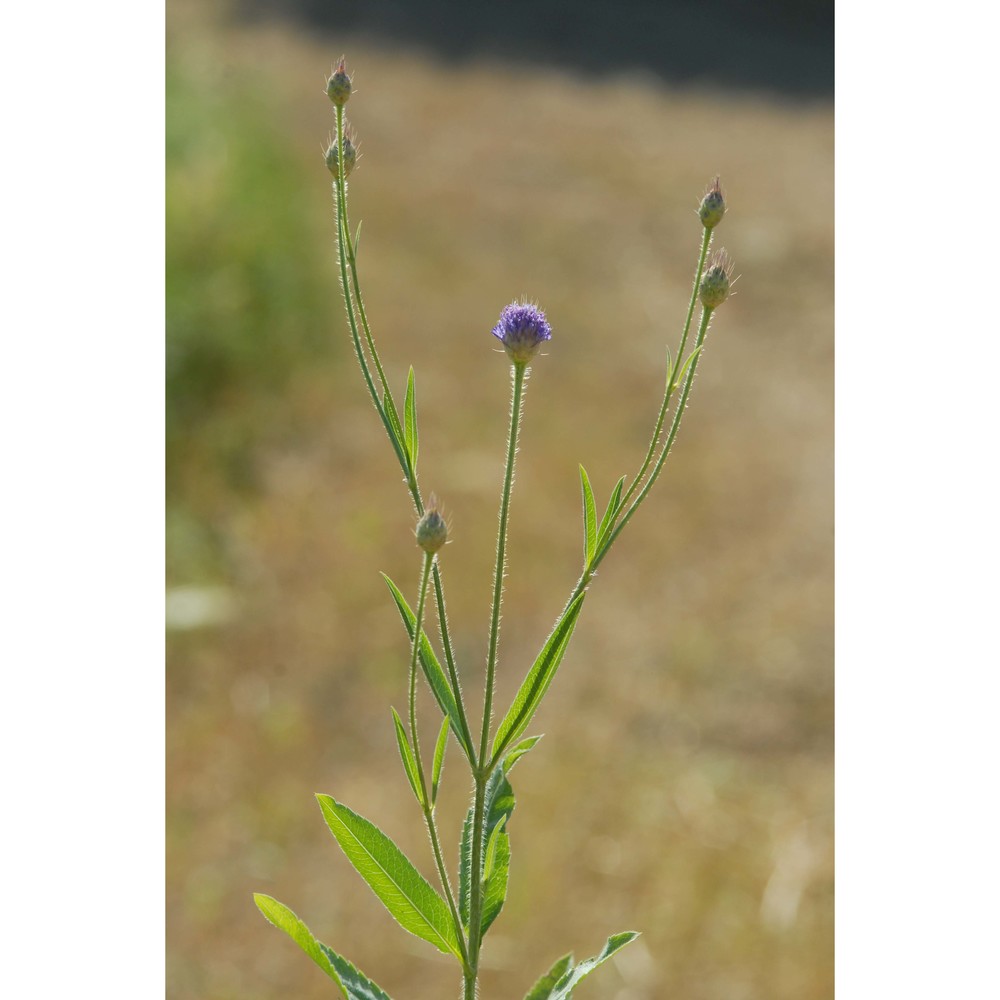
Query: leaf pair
[[494, 849], [354, 985], [410, 760], [594, 537], [560, 981], [432, 669]]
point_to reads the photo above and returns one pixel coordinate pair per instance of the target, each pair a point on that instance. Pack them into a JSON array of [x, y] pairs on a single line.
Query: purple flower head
[[521, 330]]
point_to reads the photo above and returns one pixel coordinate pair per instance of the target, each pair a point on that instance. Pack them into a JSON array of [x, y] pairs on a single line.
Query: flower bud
[[522, 330], [713, 206], [338, 87], [432, 530], [716, 281], [350, 156]]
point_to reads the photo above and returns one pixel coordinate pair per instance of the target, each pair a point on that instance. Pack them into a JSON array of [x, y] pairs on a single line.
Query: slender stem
[[706, 318], [427, 806], [343, 242], [491, 658], [482, 774], [347, 258], [677, 362], [418, 625]]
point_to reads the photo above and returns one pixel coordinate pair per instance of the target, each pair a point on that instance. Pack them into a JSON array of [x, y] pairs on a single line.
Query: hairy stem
[[482, 774], [706, 241]]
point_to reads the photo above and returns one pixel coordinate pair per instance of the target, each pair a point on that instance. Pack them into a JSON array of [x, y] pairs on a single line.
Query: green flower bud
[[715, 282], [432, 530], [338, 87], [713, 206], [350, 155]]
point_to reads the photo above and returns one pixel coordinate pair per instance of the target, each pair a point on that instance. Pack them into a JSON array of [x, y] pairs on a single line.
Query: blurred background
[[555, 151]]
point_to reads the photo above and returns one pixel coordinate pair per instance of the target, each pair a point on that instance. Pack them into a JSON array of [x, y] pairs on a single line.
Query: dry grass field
[[684, 787]]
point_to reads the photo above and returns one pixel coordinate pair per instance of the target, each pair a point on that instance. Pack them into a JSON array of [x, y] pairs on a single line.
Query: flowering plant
[[456, 919]]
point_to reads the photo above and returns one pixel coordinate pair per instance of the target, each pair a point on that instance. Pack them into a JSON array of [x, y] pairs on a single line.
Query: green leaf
[[409, 761], [353, 984], [542, 990], [589, 517], [359, 986], [614, 506], [498, 804], [670, 366], [281, 916], [404, 892], [410, 421], [357, 239], [684, 367], [564, 988], [497, 873], [389, 405], [539, 677], [516, 753], [431, 667], [442, 745]]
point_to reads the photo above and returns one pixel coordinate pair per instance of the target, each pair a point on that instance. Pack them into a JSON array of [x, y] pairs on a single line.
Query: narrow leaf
[[539, 677], [281, 916], [497, 874], [353, 984], [516, 753], [489, 858], [684, 367], [431, 667], [388, 404], [409, 761], [589, 517], [498, 804], [542, 990], [439, 750], [404, 892], [357, 239], [614, 505], [410, 421], [564, 988], [670, 366]]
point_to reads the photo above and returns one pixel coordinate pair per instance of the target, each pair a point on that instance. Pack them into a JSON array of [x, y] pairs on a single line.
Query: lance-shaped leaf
[[542, 990], [569, 981], [589, 517], [495, 879], [353, 984], [431, 667], [439, 750], [409, 761], [608, 522], [498, 804], [517, 752], [410, 421], [405, 893], [537, 682]]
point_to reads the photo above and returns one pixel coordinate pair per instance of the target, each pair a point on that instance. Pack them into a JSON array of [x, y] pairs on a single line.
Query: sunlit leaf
[[353, 984], [539, 677], [614, 505], [404, 892], [439, 751], [409, 761], [410, 421], [431, 667], [564, 988], [589, 517], [542, 990]]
